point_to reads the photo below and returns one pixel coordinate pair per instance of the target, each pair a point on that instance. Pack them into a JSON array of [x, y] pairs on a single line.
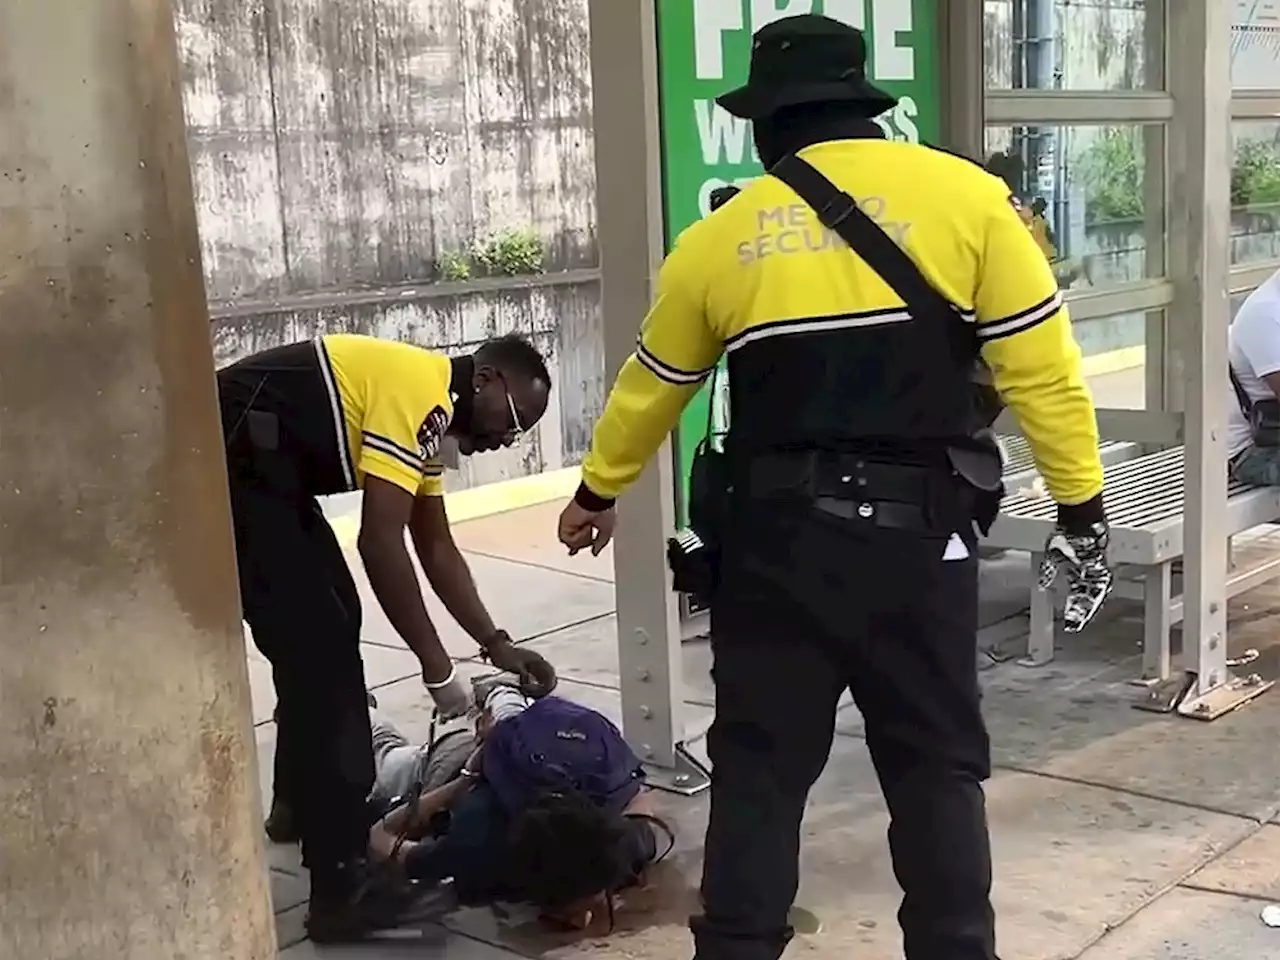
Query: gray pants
[[402, 765]]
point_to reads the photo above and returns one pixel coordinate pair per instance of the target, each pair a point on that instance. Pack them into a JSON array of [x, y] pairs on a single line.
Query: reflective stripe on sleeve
[[1024, 320], [665, 371]]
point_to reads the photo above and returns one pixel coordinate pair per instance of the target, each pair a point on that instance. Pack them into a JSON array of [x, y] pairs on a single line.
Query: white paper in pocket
[[956, 550]]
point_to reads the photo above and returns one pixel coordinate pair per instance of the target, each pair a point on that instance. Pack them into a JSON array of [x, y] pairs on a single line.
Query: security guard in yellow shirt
[[342, 413], [847, 553]]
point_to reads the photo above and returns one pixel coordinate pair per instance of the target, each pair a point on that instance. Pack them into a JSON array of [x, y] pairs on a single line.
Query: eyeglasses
[[517, 428]]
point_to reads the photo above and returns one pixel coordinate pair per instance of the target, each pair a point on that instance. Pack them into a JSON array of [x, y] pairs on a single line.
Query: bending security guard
[[848, 546], [339, 413]]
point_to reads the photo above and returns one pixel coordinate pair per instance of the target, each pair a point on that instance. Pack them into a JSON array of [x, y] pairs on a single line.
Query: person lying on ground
[[543, 803]]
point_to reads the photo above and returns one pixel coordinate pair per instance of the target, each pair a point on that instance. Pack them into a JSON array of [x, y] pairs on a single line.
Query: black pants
[[809, 605], [302, 605]]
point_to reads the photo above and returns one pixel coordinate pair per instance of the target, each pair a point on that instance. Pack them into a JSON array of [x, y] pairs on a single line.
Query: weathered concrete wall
[[559, 313], [340, 149]]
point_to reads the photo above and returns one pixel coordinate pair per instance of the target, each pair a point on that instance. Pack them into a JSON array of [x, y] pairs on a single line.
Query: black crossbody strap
[[1242, 398], [839, 212]]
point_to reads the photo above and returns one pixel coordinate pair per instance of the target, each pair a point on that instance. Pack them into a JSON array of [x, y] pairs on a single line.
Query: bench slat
[[1018, 458], [1145, 501]]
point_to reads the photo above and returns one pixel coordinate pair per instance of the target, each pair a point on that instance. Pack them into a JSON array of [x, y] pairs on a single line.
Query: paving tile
[[1004, 587], [381, 665], [290, 929], [434, 942], [1086, 729], [524, 600], [1251, 869], [287, 890], [1074, 718], [589, 653], [1191, 925], [529, 536], [1070, 859]]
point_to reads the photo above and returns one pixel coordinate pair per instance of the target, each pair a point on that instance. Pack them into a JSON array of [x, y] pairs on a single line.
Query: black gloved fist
[[1082, 556], [537, 676]]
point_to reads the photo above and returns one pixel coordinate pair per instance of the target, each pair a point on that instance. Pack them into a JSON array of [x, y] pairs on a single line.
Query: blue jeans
[[1257, 466]]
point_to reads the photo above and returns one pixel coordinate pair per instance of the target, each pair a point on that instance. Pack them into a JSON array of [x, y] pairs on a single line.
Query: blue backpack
[[558, 745]]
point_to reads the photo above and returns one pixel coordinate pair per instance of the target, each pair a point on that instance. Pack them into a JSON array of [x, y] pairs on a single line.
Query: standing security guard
[[848, 546]]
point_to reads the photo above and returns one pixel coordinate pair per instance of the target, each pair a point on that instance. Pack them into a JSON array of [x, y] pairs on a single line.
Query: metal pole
[[131, 812], [961, 69], [1199, 37], [1154, 197], [630, 227]]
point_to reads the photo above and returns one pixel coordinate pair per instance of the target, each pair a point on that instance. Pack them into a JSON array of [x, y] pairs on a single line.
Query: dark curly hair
[[515, 356], [563, 847]]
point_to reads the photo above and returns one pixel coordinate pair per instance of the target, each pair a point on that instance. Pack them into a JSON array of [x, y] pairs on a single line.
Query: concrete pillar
[[128, 794]]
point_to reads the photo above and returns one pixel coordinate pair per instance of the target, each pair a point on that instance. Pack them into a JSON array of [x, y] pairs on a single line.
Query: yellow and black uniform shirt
[[761, 274], [349, 407]]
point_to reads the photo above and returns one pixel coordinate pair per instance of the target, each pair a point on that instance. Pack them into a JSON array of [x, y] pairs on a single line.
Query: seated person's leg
[[1257, 466]]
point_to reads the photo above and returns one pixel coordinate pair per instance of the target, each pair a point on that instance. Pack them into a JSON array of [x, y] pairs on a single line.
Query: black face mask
[[791, 130]]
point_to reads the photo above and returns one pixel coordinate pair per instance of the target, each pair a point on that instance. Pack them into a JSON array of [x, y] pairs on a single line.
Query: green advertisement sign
[[703, 50]]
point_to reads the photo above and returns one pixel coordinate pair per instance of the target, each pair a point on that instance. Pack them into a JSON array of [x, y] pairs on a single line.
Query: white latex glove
[[452, 700]]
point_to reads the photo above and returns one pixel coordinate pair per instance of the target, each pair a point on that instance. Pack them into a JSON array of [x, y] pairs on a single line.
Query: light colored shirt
[[1254, 352]]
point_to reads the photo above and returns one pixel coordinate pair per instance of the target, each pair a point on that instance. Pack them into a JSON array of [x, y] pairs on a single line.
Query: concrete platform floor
[[1119, 835]]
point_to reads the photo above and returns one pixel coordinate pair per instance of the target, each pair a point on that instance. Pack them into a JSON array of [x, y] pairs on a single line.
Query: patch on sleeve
[[431, 433]]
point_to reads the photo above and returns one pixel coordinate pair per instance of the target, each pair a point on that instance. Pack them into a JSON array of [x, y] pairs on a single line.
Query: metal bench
[[1020, 466], [1019, 463], [1144, 504]]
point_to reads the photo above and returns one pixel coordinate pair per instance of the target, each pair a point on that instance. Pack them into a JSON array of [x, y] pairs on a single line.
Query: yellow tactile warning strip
[[484, 501]]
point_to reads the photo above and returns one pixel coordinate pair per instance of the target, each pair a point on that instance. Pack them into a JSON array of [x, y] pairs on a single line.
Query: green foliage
[[511, 253], [1110, 170], [1255, 178], [454, 266]]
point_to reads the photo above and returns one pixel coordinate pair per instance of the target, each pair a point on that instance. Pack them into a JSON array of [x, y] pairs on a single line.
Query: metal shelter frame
[[1186, 116]]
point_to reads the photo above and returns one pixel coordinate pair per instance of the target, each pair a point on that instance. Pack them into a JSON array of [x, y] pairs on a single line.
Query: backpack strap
[[840, 213], [1242, 398]]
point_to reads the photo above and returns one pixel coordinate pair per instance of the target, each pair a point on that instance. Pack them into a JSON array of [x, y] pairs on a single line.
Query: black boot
[[361, 899], [282, 824]]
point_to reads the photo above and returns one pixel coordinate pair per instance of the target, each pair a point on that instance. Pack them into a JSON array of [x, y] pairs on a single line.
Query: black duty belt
[[918, 497], [880, 513]]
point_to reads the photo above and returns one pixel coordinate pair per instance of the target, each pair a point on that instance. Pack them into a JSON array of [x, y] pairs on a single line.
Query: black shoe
[[281, 825], [373, 899]]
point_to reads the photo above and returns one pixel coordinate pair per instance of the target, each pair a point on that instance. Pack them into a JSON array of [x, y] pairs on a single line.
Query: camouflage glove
[[1082, 556]]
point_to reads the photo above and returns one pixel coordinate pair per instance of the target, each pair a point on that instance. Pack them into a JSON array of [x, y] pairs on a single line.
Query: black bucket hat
[[805, 59]]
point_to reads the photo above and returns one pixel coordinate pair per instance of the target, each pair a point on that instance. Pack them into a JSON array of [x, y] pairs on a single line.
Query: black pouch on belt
[[980, 466], [693, 555], [709, 485]]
